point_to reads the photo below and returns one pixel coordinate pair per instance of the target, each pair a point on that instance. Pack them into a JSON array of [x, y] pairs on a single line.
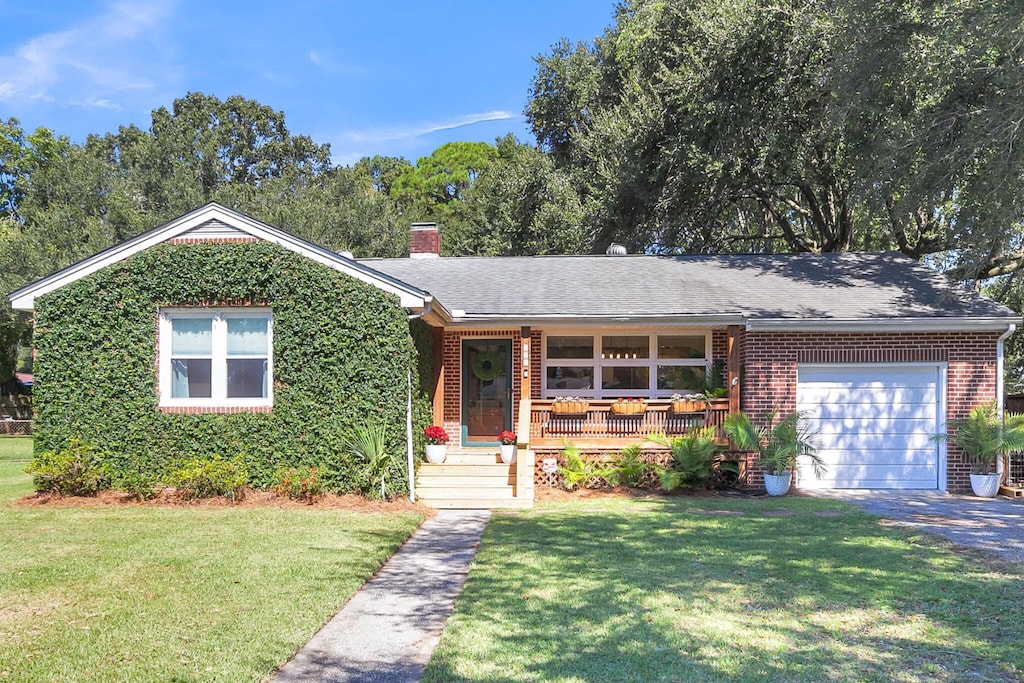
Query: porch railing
[[599, 426]]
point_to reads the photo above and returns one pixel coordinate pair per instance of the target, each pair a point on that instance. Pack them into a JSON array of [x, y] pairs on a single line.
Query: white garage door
[[875, 425]]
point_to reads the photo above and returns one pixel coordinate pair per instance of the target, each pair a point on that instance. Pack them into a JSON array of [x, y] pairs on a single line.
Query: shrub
[[368, 443], [299, 483], [630, 467], [695, 461], [141, 485], [216, 476], [78, 470], [579, 470]]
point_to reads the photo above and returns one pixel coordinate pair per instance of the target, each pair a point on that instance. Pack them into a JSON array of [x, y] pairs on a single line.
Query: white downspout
[[1001, 463]]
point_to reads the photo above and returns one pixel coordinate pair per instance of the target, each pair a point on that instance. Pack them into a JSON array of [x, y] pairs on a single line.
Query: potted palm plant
[[984, 436], [778, 443]]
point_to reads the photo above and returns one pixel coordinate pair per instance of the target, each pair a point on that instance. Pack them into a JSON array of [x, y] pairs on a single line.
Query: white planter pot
[[985, 485], [436, 452], [777, 484], [508, 452]]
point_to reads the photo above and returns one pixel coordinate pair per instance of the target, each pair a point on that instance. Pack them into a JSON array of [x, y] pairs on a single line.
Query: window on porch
[[625, 364]]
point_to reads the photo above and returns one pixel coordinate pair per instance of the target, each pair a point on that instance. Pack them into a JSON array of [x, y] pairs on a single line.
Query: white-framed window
[[216, 357], [633, 363]]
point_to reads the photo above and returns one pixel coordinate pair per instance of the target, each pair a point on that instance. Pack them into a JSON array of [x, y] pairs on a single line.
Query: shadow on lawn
[[673, 595]]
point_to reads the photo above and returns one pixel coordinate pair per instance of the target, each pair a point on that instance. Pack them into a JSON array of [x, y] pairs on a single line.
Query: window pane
[[570, 347], [626, 379], [191, 378], [247, 336], [191, 336], [677, 346], [570, 379], [247, 378], [680, 378], [621, 346]]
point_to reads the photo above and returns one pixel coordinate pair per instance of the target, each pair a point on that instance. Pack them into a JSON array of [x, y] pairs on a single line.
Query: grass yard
[[715, 589], [190, 593]]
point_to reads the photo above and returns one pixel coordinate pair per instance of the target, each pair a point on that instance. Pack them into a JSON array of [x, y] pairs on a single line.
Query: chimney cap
[[616, 249]]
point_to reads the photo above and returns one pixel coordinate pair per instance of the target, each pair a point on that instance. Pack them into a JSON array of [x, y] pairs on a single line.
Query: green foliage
[[695, 460], [299, 483], [580, 471], [342, 356], [140, 485], [630, 467], [212, 476], [777, 442], [984, 436], [369, 444], [78, 470]]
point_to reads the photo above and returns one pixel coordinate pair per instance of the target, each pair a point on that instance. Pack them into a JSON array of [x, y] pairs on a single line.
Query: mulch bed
[[251, 499]]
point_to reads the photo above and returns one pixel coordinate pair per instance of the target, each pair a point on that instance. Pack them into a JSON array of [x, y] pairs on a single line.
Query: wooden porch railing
[[599, 427]]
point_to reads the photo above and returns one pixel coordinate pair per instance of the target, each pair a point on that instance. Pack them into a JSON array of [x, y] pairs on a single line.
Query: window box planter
[[566, 408], [681, 407], [629, 408]]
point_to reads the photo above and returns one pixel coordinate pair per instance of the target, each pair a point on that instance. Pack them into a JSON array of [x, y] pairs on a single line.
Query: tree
[[428, 190], [754, 125], [519, 205]]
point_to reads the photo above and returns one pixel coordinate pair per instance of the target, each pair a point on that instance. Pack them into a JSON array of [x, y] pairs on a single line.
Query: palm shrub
[[695, 461], [577, 470], [778, 442], [630, 467], [368, 443], [983, 436]]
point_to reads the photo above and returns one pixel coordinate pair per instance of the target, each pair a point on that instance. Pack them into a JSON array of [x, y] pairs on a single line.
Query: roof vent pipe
[[616, 249]]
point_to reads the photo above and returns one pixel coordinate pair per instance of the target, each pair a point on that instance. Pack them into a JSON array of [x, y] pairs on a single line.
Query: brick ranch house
[[880, 351]]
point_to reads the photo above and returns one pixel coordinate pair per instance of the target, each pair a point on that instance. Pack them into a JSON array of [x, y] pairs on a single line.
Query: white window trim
[[218, 379], [599, 363]]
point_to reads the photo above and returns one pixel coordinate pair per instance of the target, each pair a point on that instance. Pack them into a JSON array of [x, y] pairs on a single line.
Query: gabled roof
[[214, 221], [794, 291]]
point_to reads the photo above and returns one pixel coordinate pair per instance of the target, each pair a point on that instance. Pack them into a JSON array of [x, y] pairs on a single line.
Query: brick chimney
[[424, 240]]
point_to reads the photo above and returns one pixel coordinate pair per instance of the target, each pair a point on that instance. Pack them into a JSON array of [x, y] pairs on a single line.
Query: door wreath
[[486, 366]]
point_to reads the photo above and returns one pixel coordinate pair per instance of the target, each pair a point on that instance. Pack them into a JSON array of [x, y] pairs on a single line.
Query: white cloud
[[93, 63], [415, 130]]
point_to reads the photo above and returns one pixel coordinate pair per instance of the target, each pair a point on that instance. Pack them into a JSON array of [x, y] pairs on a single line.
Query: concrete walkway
[[995, 525], [389, 629]]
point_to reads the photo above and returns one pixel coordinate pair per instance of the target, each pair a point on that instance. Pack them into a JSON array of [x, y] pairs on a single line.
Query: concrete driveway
[[995, 525]]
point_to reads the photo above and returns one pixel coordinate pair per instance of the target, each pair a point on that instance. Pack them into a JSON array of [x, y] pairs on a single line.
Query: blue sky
[[396, 77]]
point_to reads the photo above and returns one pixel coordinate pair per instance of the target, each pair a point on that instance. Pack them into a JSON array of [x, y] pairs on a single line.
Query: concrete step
[[470, 482], [476, 503], [496, 492]]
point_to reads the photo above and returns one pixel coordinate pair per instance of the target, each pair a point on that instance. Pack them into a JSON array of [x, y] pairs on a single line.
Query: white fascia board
[[24, 298], [881, 324], [497, 321]]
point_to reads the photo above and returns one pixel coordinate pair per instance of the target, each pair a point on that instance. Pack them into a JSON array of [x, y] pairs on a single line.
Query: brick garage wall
[[452, 351], [770, 362]]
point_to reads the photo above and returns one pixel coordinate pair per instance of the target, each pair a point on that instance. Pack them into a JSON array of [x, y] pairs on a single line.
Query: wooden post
[[438, 398], [732, 373]]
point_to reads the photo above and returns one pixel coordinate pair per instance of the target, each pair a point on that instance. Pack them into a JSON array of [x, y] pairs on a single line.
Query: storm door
[[486, 390]]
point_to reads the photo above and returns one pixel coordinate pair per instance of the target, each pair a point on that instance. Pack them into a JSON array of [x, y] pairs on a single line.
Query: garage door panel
[[881, 425], [880, 456], [867, 411], [874, 425], [855, 396]]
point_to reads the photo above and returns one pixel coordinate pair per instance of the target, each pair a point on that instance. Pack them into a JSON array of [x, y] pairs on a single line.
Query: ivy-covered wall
[[342, 355]]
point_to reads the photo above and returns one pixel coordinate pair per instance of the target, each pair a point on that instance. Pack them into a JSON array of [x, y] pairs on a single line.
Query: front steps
[[470, 479]]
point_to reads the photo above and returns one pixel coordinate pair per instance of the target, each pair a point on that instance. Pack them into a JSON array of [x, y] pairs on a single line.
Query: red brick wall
[[770, 361], [452, 354]]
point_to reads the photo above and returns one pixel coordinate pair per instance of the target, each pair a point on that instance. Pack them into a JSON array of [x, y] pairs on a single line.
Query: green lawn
[[713, 589], [133, 593]]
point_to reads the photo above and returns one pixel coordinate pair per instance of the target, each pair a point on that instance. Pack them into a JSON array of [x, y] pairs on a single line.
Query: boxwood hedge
[[343, 351]]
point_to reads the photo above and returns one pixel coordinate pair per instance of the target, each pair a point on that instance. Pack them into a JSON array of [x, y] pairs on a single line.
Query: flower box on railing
[[629, 407], [569, 408], [681, 407]]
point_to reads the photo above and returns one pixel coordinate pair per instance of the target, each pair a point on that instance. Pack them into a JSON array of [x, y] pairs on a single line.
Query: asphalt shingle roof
[[850, 286]]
